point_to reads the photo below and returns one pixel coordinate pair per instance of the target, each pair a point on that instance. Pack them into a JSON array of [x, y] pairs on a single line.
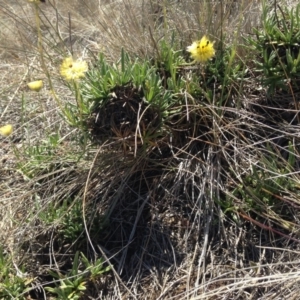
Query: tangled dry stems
[[166, 231]]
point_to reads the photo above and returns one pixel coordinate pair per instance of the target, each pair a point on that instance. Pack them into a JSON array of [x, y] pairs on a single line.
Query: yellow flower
[[35, 85], [202, 50], [6, 130], [72, 70]]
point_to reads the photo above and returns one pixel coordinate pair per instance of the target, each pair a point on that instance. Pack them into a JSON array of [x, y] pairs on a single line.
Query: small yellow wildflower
[[202, 50], [72, 70], [6, 130], [35, 85]]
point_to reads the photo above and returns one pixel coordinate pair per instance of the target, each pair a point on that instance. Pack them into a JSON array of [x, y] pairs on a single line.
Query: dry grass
[[168, 237]]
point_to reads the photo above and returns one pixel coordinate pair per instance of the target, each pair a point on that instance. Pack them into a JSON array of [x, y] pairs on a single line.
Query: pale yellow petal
[[35, 85], [6, 130]]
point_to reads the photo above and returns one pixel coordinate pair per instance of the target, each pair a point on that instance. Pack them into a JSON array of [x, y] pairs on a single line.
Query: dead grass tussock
[[162, 226]]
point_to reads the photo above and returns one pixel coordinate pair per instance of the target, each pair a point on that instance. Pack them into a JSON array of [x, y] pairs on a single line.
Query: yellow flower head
[[35, 85], [73, 70], [6, 130], [202, 50]]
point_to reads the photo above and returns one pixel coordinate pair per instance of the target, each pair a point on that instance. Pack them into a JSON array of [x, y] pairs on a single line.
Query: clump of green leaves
[[129, 98], [136, 93], [68, 217], [73, 284], [224, 75], [12, 285], [278, 43], [105, 76]]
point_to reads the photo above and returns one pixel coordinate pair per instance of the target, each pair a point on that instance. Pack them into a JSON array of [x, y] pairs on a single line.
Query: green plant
[[12, 285], [129, 100], [168, 63], [277, 44], [102, 79], [49, 156], [262, 191], [67, 216], [95, 269], [40, 158], [226, 74], [74, 283], [71, 285]]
